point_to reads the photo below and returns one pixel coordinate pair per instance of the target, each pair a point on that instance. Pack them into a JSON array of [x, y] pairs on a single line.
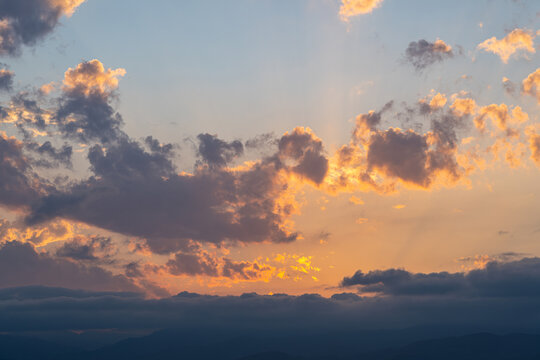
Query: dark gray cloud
[[6, 79], [17, 185], [88, 117], [371, 119], [400, 154], [51, 156], [156, 147], [502, 296], [93, 248], [133, 270], [192, 264], [22, 265], [216, 152], [138, 193], [85, 112], [242, 269], [423, 53], [498, 279], [303, 147], [25, 22], [261, 141], [411, 156]]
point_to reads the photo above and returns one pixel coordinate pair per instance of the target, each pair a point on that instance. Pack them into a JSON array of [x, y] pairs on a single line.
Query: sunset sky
[[230, 147]]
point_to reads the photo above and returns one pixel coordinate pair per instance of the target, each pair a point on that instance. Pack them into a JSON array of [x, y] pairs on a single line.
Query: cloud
[[216, 152], [85, 111], [6, 79], [500, 115], [193, 264], [531, 85], [534, 144], [19, 187], [519, 278], [21, 265], [516, 40], [508, 86], [351, 8], [503, 295], [25, 22], [307, 150], [172, 208], [92, 248], [411, 157], [53, 157], [423, 53]]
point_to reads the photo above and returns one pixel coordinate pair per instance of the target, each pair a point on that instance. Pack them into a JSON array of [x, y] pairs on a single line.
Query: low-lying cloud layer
[[503, 295]]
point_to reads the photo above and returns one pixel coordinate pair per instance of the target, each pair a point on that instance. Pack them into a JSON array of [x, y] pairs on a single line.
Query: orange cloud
[[91, 77], [356, 7], [67, 6], [56, 231], [501, 116], [531, 85], [463, 106], [438, 101], [515, 41], [534, 144]]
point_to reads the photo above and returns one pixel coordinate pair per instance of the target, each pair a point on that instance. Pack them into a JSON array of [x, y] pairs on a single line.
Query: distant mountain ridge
[[170, 344]]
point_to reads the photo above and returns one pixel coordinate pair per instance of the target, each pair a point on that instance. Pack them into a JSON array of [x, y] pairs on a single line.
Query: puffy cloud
[[307, 151], [534, 143], [55, 231], [531, 85], [21, 265], [423, 53], [68, 6], [90, 77], [216, 152], [85, 111], [53, 156], [246, 270], [497, 279], [6, 79], [171, 209], [500, 115], [193, 264], [508, 86], [464, 106], [204, 264], [18, 185], [92, 248], [516, 40], [24, 22], [351, 8], [400, 154]]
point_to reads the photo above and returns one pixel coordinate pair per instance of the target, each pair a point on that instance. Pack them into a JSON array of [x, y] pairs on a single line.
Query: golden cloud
[[356, 7], [91, 77], [516, 40], [531, 85]]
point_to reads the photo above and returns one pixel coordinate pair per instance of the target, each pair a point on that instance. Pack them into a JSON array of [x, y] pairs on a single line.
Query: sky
[[378, 148]]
